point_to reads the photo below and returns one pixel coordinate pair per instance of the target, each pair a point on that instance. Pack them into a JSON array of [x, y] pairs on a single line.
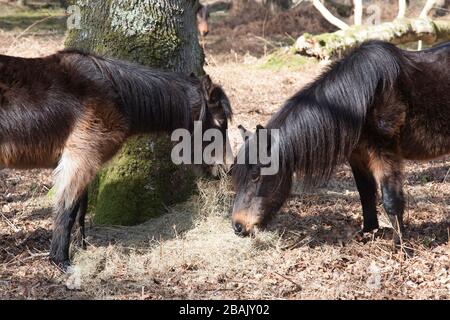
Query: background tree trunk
[[343, 9], [141, 180], [63, 4], [272, 5], [277, 4]]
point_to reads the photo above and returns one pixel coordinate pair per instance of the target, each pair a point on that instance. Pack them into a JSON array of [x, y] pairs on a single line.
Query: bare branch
[[358, 12], [426, 10], [329, 16], [401, 9]]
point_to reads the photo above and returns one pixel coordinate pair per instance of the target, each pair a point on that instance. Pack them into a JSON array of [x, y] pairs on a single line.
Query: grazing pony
[[374, 108], [73, 111], [202, 20]]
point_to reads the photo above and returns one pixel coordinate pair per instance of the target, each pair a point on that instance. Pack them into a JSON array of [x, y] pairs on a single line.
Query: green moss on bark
[[139, 183], [400, 31]]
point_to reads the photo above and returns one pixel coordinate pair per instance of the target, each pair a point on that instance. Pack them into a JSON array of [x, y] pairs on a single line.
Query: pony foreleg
[[59, 252], [394, 200], [81, 241], [95, 139], [72, 176], [367, 188]]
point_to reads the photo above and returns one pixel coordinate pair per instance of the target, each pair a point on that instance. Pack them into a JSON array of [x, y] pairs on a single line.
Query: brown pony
[[375, 108], [73, 111], [202, 20]]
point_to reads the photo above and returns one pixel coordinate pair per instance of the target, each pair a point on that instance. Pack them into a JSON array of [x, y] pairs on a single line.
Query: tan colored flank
[[96, 137]]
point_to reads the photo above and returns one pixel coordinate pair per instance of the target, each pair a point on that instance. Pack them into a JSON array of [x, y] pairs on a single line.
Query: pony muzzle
[[243, 223]]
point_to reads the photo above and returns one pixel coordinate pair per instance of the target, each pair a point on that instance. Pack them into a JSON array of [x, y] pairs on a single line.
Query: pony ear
[[245, 134], [267, 133], [200, 8], [206, 84], [220, 104]]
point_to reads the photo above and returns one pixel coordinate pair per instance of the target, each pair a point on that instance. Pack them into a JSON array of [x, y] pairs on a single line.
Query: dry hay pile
[[195, 238]]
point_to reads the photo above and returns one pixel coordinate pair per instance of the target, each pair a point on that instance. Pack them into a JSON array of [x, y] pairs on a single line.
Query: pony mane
[[153, 100], [321, 124]]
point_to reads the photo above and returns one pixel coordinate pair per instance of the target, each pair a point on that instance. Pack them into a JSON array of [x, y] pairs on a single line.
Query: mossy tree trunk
[[141, 181]]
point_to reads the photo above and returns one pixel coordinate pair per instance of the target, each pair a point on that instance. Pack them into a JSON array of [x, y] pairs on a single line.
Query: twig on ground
[[9, 223], [27, 29], [299, 287], [34, 255], [446, 175]]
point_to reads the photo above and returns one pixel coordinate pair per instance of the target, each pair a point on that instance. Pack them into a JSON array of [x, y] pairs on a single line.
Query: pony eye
[[255, 175]]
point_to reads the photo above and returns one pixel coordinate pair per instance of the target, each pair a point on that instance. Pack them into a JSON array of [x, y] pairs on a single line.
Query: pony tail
[[321, 125]]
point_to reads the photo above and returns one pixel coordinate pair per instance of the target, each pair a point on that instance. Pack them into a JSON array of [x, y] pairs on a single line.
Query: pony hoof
[[398, 245], [407, 252], [359, 235], [81, 244], [362, 236], [370, 229], [63, 265], [79, 241]]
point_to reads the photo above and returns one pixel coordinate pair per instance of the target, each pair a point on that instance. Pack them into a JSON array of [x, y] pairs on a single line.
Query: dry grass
[[194, 239], [309, 250]]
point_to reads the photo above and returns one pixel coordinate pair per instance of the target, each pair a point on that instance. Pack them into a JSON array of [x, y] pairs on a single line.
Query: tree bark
[[334, 45], [63, 4], [142, 180]]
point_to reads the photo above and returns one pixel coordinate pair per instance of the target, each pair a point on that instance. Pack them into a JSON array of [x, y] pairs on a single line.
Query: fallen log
[[400, 31]]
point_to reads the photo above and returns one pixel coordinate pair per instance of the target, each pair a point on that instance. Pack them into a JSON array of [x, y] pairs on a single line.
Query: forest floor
[[308, 251]]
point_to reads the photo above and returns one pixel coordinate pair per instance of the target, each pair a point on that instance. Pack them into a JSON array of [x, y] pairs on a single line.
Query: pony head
[[214, 114], [259, 184], [202, 20]]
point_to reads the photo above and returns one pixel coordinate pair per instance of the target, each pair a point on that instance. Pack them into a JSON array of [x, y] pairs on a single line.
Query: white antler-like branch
[[426, 10], [329, 16], [401, 9], [358, 12]]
